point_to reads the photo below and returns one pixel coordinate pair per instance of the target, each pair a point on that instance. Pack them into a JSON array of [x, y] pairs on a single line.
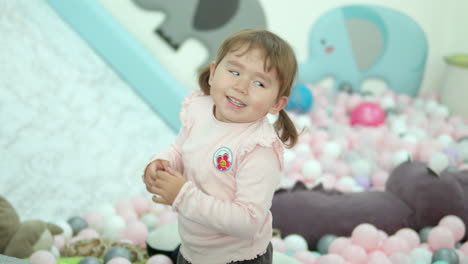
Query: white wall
[[444, 21]]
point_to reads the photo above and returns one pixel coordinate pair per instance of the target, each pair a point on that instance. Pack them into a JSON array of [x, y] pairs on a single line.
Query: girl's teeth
[[234, 101]]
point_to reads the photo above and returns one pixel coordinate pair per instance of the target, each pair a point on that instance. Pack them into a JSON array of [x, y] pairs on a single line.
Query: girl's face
[[241, 90]]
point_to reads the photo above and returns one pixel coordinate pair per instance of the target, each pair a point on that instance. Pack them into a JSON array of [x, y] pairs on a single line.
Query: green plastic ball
[[446, 255], [324, 243]]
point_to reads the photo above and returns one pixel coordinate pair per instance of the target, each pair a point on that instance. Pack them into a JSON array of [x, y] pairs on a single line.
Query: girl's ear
[[279, 105], [212, 70]]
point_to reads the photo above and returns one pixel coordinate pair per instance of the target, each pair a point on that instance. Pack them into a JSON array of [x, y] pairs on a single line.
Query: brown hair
[[278, 55]]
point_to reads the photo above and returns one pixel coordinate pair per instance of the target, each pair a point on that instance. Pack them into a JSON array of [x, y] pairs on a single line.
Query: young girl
[[224, 166]]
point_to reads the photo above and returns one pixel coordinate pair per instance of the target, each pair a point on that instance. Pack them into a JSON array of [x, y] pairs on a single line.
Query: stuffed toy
[[21, 239], [415, 197]]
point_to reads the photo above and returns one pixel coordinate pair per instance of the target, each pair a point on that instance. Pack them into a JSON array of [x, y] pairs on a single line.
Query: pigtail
[[203, 79], [286, 130]]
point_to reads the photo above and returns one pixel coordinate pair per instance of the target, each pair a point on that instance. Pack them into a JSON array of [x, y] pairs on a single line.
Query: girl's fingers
[[160, 200]]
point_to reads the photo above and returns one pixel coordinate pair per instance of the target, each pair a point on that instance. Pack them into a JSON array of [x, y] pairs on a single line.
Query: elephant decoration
[[356, 42], [209, 21]]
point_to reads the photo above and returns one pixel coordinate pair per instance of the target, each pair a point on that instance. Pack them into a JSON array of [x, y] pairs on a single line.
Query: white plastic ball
[[113, 225], [410, 138], [430, 106], [302, 149], [287, 182], [445, 140], [441, 110], [295, 243], [438, 162], [421, 254], [150, 220], [289, 156], [303, 122], [401, 156], [104, 209], [347, 181], [399, 127], [312, 169], [67, 230], [462, 148], [332, 149], [387, 103], [361, 167]]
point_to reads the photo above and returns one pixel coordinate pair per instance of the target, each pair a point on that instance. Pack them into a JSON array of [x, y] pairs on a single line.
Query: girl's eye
[[259, 84], [234, 73]]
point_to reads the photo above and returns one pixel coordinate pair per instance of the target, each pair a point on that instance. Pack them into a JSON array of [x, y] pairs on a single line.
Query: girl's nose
[[242, 85]]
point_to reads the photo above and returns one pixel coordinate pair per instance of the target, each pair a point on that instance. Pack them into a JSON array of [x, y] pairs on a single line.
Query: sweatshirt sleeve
[[258, 176]]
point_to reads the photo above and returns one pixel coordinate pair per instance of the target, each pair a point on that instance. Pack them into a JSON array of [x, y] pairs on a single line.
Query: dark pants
[[266, 258]]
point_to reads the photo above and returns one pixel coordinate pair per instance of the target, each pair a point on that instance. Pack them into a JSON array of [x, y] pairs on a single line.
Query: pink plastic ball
[[306, 257], [88, 233], [42, 257], [367, 114], [440, 237], [455, 224], [331, 259], [159, 259], [354, 254], [124, 205], [366, 236], [136, 231], [59, 241], [141, 204], [378, 257], [128, 214], [410, 236], [94, 220], [119, 260], [464, 248], [337, 245], [395, 244]]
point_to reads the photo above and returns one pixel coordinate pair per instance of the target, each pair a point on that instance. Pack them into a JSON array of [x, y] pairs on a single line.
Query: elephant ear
[[213, 14], [366, 33]]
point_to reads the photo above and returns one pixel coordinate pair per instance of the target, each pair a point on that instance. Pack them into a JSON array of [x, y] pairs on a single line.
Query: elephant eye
[[323, 42]]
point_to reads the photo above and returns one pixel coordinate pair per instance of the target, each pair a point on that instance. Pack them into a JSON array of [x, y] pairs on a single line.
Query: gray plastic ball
[[324, 242], [115, 252], [423, 233], [77, 224], [90, 260], [445, 254]]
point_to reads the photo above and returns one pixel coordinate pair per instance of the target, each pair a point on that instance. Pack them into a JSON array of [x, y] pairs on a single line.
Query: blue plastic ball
[[89, 260], [300, 100], [446, 255], [117, 251], [324, 243], [77, 224]]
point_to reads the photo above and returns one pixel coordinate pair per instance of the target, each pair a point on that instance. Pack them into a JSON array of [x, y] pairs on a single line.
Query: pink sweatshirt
[[233, 170]]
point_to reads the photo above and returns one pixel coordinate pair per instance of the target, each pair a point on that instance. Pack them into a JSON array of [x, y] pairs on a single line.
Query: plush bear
[[21, 239], [415, 197]]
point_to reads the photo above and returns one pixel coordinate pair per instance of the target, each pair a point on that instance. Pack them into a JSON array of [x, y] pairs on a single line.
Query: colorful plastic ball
[[366, 236], [337, 245], [77, 224], [440, 237], [113, 225], [42, 257], [367, 114], [136, 232], [410, 236], [354, 254], [300, 100], [424, 233], [394, 245], [119, 260], [278, 244], [331, 259], [159, 259], [141, 204], [421, 254], [151, 220], [378, 257], [445, 254], [455, 224], [115, 252], [89, 260], [88, 233], [324, 242], [306, 257], [295, 242], [441, 262], [312, 169]]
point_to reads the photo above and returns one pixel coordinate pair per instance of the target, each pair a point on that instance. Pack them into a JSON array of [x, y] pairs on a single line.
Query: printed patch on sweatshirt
[[222, 159]]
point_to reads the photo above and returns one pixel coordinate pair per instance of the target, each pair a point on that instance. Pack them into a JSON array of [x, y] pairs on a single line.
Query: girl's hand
[[149, 178], [168, 186]]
